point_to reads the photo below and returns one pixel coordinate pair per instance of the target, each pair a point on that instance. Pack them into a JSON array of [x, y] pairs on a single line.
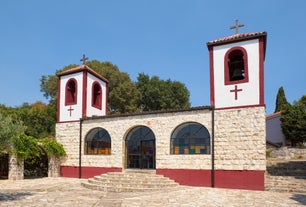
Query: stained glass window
[[98, 142], [190, 138]]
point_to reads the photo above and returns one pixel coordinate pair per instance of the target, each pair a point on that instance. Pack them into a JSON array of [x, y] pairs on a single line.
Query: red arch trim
[[227, 80]]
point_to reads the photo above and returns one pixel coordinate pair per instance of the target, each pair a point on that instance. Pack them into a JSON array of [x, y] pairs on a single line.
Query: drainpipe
[[80, 150], [212, 146]]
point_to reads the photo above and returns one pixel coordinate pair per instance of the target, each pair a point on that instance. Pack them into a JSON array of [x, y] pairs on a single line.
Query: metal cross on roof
[[84, 58], [236, 26]]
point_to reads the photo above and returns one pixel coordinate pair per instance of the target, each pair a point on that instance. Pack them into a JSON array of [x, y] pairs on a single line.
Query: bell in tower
[[238, 74], [236, 68]]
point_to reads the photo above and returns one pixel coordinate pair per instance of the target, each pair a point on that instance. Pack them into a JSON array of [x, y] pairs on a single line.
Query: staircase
[[129, 181], [286, 176]]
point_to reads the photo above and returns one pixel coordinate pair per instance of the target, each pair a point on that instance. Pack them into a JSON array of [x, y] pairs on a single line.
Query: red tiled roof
[[81, 68], [236, 37], [273, 115]]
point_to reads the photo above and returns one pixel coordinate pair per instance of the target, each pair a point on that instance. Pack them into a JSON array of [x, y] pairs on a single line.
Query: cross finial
[[236, 26], [84, 58]]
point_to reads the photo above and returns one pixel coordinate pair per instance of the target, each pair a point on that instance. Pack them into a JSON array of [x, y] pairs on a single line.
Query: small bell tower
[[81, 93], [237, 69]]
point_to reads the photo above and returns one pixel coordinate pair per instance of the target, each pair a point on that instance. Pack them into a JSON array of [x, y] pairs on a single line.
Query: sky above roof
[[164, 38]]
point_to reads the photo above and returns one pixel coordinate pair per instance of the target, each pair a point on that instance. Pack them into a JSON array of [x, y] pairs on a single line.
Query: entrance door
[[140, 148]]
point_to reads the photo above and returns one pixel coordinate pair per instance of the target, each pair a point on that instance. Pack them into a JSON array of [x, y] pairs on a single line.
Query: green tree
[[9, 129], [281, 101], [39, 119], [123, 94], [158, 94], [293, 122]]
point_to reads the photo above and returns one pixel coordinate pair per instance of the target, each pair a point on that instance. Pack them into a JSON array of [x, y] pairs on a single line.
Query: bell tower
[[81, 93], [237, 70]]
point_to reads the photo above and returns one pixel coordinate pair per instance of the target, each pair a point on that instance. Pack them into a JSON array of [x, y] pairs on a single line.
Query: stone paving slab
[[69, 192]]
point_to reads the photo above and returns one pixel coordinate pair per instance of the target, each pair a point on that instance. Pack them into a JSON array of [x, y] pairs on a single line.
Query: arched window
[[71, 92], [98, 142], [190, 138], [236, 66], [96, 95]]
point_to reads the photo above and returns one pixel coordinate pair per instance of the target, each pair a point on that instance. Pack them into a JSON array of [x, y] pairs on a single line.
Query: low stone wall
[[287, 153]]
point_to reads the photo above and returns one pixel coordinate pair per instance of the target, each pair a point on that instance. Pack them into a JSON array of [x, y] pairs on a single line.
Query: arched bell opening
[[236, 66]]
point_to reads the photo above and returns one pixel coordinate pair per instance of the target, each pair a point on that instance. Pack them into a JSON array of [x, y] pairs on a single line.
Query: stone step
[[122, 189], [285, 184], [130, 175], [286, 176], [296, 168], [129, 181], [117, 179]]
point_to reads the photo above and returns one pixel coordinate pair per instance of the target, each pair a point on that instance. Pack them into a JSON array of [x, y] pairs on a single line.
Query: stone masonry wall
[[240, 139], [15, 168], [68, 135], [161, 124]]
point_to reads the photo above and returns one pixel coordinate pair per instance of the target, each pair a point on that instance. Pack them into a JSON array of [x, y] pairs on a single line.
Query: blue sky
[[166, 38]]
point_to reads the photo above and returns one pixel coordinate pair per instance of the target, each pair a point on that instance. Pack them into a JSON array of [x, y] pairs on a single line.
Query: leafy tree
[[39, 119], [9, 129], [29, 148], [26, 148], [293, 122], [281, 101], [158, 94], [123, 94]]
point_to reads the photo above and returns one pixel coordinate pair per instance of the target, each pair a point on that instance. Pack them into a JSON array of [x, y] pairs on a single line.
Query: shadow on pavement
[[301, 198], [13, 196]]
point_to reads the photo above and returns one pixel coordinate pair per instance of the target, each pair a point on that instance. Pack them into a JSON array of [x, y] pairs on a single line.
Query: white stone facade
[[239, 139]]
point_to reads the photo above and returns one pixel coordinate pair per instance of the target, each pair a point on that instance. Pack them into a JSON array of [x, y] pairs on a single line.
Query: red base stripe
[[87, 172], [188, 176], [235, 179]]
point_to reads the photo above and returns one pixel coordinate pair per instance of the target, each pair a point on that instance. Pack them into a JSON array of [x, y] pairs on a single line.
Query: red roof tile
[[273, 115], [81, 68], [236, 37]]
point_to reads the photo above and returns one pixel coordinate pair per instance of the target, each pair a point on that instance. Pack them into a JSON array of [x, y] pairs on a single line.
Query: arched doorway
[[140, 148], [36, 168]]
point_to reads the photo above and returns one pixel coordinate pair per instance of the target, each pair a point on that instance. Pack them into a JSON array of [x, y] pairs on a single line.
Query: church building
[[221, 145]]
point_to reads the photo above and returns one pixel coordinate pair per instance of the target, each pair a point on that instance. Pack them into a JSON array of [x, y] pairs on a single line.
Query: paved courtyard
[[69, 192]]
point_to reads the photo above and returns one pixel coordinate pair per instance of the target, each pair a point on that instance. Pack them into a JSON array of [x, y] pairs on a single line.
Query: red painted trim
[[84, 95], [188, 176], [240, 179], [227, 80], [87, 172], [235, 179], [58, 99], [98, 103], [106, 98], [236, 107], [68, 100], [212, 78], [261, 70]]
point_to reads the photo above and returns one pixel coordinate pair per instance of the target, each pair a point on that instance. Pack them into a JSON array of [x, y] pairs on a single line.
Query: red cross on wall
[[70, 110], [236, 90]]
